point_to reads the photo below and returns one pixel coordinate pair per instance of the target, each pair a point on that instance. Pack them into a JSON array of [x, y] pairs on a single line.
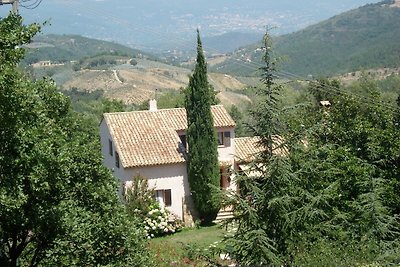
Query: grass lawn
[[173, 250]]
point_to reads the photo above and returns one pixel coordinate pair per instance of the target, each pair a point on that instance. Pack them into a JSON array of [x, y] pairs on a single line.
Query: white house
[[152, 143]]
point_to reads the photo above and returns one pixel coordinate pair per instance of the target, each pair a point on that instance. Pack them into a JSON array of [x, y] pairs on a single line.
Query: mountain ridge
[[363, 38]]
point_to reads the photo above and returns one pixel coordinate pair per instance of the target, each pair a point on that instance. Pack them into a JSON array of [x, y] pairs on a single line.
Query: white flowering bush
[[160, 222], [140, 203]]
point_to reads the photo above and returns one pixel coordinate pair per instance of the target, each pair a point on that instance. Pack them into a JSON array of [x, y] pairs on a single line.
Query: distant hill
[[229, 42], [364, 38], [63, 48]]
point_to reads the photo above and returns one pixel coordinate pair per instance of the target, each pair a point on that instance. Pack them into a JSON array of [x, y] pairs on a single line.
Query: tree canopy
[[58, 205], [328, 183]]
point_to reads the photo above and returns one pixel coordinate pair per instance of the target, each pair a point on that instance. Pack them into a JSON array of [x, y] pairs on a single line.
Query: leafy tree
[[349, 171], [203, 169], [58, 204]]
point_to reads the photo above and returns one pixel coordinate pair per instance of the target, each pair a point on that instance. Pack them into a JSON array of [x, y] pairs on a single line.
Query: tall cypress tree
[[203, 169]]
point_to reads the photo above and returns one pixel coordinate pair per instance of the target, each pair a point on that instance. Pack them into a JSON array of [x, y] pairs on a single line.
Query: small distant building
[[43, 63]]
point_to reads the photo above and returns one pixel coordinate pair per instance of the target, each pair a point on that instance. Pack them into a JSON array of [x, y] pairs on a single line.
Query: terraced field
[[135, 84]]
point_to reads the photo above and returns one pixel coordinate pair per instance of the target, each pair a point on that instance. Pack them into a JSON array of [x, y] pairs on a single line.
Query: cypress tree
[[203, 169]]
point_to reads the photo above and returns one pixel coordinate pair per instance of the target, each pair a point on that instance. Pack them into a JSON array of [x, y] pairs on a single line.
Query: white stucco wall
[[108, 160], [226, 153], [162, 177]]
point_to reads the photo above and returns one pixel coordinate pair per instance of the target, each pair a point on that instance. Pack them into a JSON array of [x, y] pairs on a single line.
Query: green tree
[[58, 204], [349, 172], [237, 116], [261, 210], [203, 168], [397, 113]]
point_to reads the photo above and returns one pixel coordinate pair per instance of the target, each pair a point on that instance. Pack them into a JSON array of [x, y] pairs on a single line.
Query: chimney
[[153, 105]]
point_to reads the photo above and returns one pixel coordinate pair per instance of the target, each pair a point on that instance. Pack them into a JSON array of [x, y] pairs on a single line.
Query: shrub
[[159, 222], [140, 203], [139, 198]]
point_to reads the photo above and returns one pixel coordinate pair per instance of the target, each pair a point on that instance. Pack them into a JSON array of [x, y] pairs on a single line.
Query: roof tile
[[144, 138], [247, 148]]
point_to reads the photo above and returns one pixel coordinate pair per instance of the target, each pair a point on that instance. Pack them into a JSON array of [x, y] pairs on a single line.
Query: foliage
[[58, 204], [202, 164], [139, 198], [237, 116], [261, 209], [99, 62], [332, 197], [91, 106], [159, 222], [166, 99], [140, 203], [349, 169], [190, 247], [330, 253]]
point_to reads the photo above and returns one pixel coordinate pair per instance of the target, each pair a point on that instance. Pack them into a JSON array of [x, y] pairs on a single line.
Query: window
[[116, 159], [227, 139], [110, 147], [183, 140], [164, 197], [220, 138], [224, 139]]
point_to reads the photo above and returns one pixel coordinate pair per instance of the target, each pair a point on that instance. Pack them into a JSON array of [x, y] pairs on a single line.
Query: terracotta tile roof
[[246, 148], [144, 138]]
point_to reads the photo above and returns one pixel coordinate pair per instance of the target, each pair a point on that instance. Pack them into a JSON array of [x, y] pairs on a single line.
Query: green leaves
[[13, 35], [58, 204]]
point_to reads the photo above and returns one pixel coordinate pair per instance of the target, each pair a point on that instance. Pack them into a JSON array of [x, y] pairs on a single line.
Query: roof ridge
[[141, 111], [144, 111]]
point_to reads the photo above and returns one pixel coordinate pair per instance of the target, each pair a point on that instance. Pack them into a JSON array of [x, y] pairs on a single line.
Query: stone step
[[223, 215]]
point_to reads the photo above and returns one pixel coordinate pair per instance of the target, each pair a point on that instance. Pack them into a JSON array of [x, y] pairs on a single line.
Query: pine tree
[[203, 169], [261, 210]]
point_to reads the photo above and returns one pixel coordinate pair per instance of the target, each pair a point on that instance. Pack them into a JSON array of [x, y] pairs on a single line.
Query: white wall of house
[[108, 160], [164, 177], [226, 151]]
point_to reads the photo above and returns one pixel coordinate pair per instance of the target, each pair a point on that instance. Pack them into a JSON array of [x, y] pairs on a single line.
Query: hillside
[[161, 25], [138, 83], [364, 38], [64, 48], [142, 82], [120, 72], [229, 42]]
